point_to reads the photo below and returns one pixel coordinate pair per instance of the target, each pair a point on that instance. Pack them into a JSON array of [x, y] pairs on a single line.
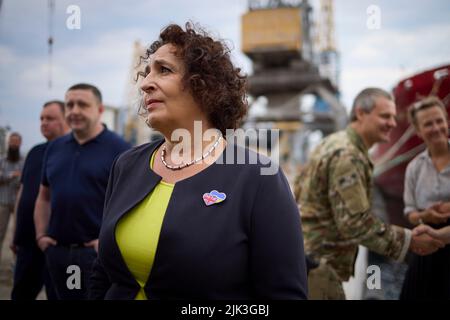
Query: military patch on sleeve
[[353, 192], [347, 180]]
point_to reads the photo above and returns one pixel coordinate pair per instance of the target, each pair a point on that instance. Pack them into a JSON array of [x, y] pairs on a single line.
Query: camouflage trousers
[[324, 283]]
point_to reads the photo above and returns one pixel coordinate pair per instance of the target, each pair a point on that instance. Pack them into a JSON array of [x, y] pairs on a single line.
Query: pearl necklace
[[184, 165]]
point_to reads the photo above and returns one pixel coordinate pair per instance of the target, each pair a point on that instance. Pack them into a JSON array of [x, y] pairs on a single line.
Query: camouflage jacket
[[335, 205]]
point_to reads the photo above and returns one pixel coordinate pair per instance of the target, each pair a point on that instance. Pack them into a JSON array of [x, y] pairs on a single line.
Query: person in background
[[427, 201], [10, 170], [30, 272], [68, 209], [335, 200], [181, 221]]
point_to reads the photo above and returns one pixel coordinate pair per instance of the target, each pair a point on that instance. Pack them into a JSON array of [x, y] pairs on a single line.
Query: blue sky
[[413, 36]]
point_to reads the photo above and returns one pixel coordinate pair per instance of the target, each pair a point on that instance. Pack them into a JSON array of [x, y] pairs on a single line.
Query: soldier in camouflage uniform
[[335, 198]]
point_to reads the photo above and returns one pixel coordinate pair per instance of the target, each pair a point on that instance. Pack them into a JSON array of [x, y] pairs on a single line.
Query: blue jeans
[[69, 265], [30, 274]]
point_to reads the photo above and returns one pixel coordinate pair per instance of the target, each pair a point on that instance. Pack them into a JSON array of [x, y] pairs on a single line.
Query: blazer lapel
[[137, 181]]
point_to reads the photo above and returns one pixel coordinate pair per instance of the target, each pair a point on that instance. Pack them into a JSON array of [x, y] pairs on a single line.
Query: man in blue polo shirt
[[30, 272], [68, 211]]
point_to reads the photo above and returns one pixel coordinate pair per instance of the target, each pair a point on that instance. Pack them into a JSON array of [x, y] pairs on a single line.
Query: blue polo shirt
[[30, 180], [77, 176]]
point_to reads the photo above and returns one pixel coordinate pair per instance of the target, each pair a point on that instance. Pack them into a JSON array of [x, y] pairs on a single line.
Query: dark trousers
[[428, 277], [70, 268], [30, 274]]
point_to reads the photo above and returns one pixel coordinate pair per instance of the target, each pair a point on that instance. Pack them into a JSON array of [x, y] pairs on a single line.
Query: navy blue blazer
[[249, 246]]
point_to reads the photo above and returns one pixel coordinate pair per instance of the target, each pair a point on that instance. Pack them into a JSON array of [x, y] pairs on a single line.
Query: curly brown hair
[[216, 85]]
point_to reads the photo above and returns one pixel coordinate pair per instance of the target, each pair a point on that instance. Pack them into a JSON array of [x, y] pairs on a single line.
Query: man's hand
[[423, 244], [442, 234], [45, 241], [92, 244], [15, 174]]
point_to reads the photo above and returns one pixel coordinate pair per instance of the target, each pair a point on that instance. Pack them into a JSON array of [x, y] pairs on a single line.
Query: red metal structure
[[392, 158]]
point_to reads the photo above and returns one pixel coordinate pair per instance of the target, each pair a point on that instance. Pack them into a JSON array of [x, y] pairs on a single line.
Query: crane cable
[[51, 10]]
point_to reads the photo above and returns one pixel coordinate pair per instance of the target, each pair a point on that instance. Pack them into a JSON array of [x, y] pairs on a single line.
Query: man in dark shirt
[[30, 273], [68, 211]]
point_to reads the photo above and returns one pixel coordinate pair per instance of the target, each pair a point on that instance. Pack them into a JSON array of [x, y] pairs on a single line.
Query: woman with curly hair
[[182, 218]]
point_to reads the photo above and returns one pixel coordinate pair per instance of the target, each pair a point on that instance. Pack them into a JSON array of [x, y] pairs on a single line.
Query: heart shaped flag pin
[[214, 197]]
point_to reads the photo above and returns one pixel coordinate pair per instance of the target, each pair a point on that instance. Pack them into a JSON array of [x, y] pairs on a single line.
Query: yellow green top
[[137, 232]]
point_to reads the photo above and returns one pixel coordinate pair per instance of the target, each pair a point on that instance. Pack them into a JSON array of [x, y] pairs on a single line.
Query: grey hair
[[365, 100]]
